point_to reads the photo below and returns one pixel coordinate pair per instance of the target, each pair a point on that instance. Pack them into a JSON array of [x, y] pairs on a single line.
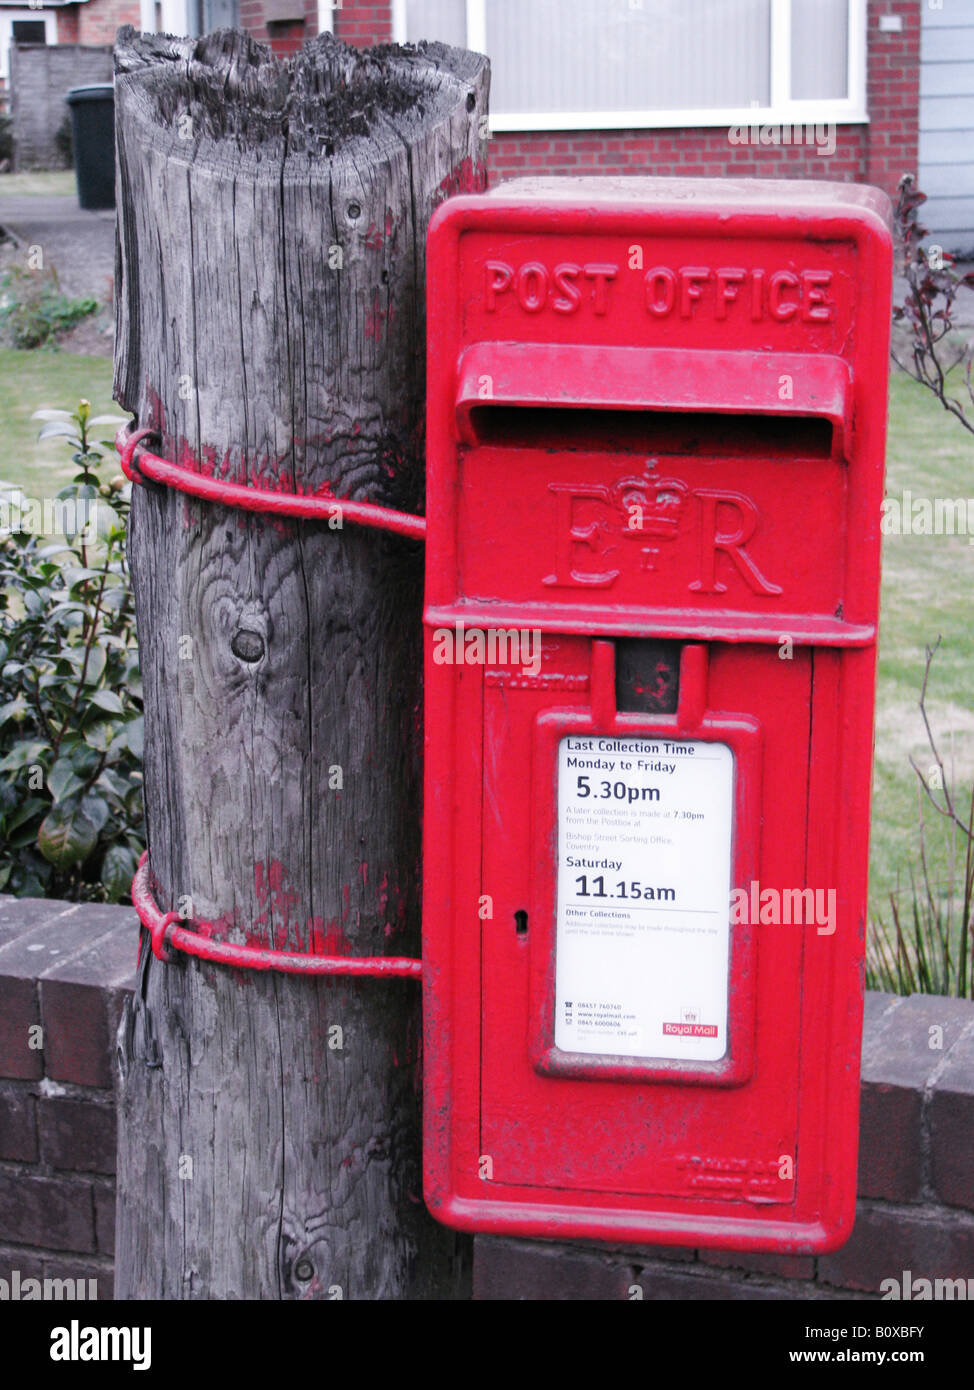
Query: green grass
[[926, 593], [926, 584], [47, 182], [46, 380]]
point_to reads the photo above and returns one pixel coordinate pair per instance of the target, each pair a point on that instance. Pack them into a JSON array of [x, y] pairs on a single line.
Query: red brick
[[82, 1273], [18, 1125], [897, 1065], [951, 1124], [520, 1271], [887, 1240], [661, 1285], [778, 1266], [105, 1219], [19, 1012], [80, 1005], [53, 1212], [25, 1261], [78, 1135]]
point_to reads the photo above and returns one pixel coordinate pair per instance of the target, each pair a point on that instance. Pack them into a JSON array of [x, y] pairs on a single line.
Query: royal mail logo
[[690, 1030], [644, 513]]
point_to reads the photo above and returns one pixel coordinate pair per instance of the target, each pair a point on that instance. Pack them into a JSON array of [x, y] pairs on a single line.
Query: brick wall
[[283, 35], [893, 94], [63, 973], [706, 153], [364, 22], [68, 24], [65, 969], [40, 78], [875, 153], [916, 1191], [100, 20]]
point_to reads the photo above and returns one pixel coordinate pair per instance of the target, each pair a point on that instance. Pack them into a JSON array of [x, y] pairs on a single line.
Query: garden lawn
[[48, 380], [927, 592], [49, 183], [927, 585]]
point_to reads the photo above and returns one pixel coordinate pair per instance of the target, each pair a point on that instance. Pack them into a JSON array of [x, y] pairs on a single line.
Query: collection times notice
[[644, 865]]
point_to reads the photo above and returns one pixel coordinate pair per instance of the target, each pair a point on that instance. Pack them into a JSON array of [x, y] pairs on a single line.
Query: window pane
[[445, 20], [219, 14], [29, 31], [623, 55], [819, 49]]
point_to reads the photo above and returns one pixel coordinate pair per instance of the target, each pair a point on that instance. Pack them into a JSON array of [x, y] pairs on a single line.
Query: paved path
[[80, 245]]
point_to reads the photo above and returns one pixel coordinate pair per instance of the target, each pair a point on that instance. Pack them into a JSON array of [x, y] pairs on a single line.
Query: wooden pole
[[270, 326]]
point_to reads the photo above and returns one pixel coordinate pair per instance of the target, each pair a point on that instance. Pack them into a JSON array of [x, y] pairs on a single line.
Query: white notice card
[[644, 873]]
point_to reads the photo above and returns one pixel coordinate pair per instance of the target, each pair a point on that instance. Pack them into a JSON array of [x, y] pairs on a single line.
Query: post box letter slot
[[545, 380]]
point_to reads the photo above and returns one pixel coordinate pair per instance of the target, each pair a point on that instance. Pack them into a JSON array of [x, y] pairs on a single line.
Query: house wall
[[100, 20], [284, 24], [947, 125], [878, 152]]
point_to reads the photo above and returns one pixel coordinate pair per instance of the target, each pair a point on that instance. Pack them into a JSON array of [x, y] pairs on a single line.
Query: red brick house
[[780, 88], [62, 21]]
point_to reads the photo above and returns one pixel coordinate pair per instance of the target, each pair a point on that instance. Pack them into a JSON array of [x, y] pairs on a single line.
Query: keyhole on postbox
[[521, 922]]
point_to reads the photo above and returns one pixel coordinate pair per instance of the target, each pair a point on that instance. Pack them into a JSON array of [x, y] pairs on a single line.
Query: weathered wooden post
[[270, 329]]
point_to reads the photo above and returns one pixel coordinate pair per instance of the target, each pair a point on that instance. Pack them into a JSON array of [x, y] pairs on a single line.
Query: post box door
[[524, 1131]]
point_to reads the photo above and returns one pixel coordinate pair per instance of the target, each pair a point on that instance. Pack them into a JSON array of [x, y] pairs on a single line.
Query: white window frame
[[7, 18], [174, 20], [850, 110]]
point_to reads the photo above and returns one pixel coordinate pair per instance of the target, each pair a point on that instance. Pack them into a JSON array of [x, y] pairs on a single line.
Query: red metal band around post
[[164, 933], [163, 928], [252, 499]]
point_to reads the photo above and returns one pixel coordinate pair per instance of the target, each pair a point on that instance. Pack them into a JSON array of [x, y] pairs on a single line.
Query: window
[[24, 26], [29, 31], [188, 18], [603, 64]]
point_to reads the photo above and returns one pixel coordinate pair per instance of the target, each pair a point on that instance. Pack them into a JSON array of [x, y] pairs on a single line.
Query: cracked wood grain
[[270, 327]]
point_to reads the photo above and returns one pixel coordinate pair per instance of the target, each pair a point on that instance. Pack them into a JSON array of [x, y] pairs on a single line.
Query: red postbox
[[656, 427]]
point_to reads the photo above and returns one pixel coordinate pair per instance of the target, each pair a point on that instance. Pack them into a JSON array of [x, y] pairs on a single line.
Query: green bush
[[70, 692], [34, 309]]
